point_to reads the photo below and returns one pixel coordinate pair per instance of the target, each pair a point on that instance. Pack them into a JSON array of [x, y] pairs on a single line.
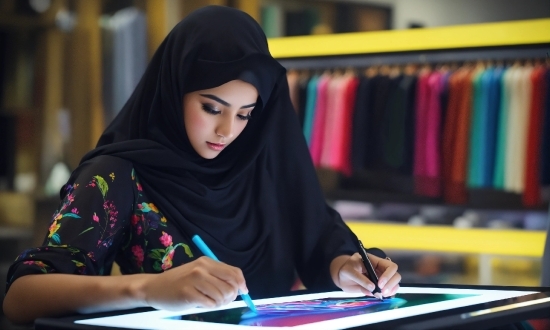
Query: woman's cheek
[[197, 124]]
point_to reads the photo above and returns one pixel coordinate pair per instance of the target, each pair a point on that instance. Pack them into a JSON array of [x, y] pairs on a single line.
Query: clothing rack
[[498, 43], [419, 57]]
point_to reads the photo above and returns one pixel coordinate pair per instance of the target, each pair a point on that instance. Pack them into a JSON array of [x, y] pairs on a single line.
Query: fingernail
[[370, 287], [386, 292], [367, 293], [381, 283]]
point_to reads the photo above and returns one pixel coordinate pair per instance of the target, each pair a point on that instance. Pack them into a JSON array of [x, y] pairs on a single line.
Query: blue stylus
[[207, 252]]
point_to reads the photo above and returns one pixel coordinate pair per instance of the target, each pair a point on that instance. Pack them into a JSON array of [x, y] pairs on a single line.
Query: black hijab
[[258, 204]]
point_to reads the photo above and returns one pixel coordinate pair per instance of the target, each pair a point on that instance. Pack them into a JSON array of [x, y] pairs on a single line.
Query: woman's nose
[[225, 128]]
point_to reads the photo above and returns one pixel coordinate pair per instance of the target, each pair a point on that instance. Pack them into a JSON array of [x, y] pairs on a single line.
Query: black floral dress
[[105, 217]]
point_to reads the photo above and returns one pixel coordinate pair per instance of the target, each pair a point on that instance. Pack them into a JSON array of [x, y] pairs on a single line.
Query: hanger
[[371, 71]]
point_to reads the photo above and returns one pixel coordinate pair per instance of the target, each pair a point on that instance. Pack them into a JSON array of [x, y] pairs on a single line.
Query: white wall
[[455, 12]]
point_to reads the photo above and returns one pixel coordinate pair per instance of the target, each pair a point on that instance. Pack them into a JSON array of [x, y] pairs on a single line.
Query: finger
[[350, 274], [218, 290], [358, 264], [231, 275], [198, 298], [353, 288], [389, 269], [394, 280], [391, 285], [394, 290], [390, 292]]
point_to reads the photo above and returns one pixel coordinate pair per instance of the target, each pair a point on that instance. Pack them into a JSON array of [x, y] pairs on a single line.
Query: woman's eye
[[211, 110], [245, 117]]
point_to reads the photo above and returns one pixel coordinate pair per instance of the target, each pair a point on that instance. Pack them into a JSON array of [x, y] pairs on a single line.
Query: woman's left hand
[[348, 273]]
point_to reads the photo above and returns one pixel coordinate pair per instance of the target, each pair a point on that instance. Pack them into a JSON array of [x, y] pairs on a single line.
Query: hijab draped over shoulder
[[258, 204]]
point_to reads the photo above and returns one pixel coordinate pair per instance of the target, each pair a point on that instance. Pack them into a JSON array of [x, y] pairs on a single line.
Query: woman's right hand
[[200, 283]]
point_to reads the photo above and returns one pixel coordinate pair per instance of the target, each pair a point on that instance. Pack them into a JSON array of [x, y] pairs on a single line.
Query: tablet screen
[[311, 311]]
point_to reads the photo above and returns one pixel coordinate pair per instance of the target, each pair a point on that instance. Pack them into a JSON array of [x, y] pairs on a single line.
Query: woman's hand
[[348, 273], [200, 283]]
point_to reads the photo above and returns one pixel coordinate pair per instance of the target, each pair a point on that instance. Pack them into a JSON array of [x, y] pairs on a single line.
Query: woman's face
[[214, 117]]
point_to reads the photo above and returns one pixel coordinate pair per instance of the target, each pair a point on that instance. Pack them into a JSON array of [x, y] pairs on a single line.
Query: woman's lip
[[215, 146]]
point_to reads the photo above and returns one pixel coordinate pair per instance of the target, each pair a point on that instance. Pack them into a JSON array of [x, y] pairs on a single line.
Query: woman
[[232, 166]]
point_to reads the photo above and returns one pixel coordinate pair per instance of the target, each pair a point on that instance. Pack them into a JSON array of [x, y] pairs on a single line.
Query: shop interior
[[459, 208]]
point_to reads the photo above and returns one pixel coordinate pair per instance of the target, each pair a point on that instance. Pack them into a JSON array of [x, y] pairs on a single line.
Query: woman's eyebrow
[[217, 99], [251, 105]]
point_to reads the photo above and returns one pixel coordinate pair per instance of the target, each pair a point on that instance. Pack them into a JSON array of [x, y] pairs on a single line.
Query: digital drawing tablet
[[413, 307]]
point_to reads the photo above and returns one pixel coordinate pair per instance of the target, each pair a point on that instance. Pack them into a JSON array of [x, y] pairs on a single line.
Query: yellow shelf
[[536, 31], [448, 239]]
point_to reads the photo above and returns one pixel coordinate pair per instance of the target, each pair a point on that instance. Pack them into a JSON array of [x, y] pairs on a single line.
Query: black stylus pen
[[371, 274]]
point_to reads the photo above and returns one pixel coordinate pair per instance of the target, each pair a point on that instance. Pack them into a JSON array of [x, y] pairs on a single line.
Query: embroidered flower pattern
[[107, 227], [163, 257], [42, 266], [53, 236], [138, 254]]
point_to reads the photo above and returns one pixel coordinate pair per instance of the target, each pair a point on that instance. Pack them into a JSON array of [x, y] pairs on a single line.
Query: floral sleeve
[[86, 232]]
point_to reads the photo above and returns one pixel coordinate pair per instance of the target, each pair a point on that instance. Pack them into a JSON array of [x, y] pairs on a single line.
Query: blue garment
[[485, 82], [493, 112], [500, 164], [311, 100], [476, 130]]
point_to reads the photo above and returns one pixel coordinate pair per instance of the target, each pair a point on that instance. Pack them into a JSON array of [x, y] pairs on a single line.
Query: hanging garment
[[427, 148], [531, 195], [486, 79], [545, 149], [513, 129], [491, 132], [372, 126], [361, 124], [333, 118], [382, 88], [520, 105], [450, 127], [393, 126], [342, 156], [309, 112], [476, 129], [458, 192], [503, 126], [302, 98], [319, 120]]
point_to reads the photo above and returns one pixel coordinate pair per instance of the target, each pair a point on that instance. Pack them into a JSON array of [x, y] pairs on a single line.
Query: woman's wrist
[[136, 289]]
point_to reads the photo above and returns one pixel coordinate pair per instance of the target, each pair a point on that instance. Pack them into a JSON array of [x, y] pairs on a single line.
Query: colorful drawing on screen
[[315, 310]]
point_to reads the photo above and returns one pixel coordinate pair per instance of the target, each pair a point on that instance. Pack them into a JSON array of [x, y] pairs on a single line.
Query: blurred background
[[68, 66]]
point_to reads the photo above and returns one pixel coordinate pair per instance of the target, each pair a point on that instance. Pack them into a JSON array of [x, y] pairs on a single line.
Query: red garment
[[531, 194], [319, 120], [343, 158], [428, 121], [421, 109], [335, 100]]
